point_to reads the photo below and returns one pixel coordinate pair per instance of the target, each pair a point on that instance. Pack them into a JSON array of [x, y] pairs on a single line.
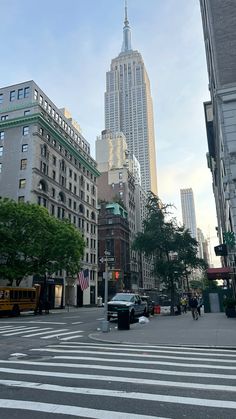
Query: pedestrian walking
[[193, 304], [184, 304], [199, 305]]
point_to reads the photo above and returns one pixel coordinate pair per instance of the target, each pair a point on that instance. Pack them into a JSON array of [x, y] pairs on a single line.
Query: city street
[[52, 369]]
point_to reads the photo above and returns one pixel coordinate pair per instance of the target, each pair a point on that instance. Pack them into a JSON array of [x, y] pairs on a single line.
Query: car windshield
[[123, 297]]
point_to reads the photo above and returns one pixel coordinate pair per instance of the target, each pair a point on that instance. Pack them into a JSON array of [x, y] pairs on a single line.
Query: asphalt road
[[70, 378]]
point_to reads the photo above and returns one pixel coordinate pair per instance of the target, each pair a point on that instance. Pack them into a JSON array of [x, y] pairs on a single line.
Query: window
[[27, 112], [45, 104], [24, 148], [26, 91], [0, 167], [52, 209], [120, 175], [1, 98], [49, 108], [70, 173], [23, 164], [20, 94], [35, 94], [12, 95], [4, 117], [48, 137], [74, 205], [54, 160], [25, 130], [1, 150], [54, 143], [22, 183], [54, 175], [53, 192], [75, 190], [1, 135], [41, 100], [21, 198], [75, 177], [41, 131], [70, 186], [69, 203]]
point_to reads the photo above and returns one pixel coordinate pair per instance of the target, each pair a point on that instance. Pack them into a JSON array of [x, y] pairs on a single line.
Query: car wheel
[[131, 317]]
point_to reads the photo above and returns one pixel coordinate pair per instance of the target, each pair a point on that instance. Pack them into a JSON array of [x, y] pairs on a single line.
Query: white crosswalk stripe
[[26, 331], [121, 381]]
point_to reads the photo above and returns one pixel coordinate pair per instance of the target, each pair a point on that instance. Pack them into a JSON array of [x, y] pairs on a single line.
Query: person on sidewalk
[[184, 304], [199, 305], [193, 304]]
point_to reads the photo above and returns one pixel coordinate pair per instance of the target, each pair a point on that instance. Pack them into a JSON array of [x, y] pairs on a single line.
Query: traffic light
[[115, 275]]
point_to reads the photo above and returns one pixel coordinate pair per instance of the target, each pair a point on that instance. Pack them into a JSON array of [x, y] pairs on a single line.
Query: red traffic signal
[[116, 275]]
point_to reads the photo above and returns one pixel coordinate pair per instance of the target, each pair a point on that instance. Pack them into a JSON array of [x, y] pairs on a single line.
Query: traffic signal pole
[[105, 323]]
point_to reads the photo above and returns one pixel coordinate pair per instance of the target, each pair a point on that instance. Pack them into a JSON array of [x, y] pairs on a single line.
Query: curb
[[178, 345]]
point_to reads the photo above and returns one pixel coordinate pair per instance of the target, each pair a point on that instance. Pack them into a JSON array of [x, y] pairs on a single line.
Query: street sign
[[110, 259]]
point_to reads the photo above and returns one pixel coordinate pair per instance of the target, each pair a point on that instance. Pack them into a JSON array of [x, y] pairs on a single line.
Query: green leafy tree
[[173, 250], [33, 242]]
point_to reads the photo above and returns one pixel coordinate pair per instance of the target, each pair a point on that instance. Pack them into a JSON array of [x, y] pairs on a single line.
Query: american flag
[[83, 279]]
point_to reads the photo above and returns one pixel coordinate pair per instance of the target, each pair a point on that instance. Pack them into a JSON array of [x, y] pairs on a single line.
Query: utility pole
[[105, 323]]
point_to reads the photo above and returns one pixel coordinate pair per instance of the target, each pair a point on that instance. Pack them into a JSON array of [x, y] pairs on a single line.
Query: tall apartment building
[[45, 159], [129, 109], [218, 18], [188, 211], [120, 181]]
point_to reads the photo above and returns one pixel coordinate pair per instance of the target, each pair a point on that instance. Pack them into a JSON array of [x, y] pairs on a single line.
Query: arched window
[[43, 185], [93, 215]]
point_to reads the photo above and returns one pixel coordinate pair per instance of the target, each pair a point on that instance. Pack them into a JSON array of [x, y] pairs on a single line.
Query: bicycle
[[195, 313]]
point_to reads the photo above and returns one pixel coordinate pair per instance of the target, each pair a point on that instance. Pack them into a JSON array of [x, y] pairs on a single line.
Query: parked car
[[132, 301], [150, 304]]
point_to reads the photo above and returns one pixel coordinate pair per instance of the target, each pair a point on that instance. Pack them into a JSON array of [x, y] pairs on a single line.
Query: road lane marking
[[72, 337], [70, 410], [130, 380], [132, 349], [136, 361], [46, 330], [126, 369], [61, 334], [178, 348], [9, 329], [142, 355], [22, 331], [193, 401], [77, 323]]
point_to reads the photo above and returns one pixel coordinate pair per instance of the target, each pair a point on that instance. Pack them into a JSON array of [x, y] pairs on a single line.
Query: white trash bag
[[143, 320]]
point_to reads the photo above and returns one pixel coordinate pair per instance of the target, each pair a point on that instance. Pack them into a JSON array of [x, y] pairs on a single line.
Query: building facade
[[129, 109], [188, 211], [113, 233], [120, 181], [218, 20], [45, 159]]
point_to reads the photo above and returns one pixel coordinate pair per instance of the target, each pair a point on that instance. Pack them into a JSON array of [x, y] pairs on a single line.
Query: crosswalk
[[28, 331], [120, 381]]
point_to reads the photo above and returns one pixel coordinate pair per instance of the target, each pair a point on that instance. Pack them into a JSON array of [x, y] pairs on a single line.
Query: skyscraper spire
[[126, 46]]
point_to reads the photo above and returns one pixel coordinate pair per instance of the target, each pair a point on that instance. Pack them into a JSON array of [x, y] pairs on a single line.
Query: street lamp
[[105, 323]]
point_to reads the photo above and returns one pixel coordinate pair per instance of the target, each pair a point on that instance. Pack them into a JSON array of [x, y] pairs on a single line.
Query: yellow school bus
[[13, 300]]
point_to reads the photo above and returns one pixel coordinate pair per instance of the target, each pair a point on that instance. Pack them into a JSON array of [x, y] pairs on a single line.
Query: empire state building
[[129, 109]]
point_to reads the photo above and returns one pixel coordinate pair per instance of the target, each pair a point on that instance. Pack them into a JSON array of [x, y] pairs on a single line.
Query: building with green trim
[[45, 159]]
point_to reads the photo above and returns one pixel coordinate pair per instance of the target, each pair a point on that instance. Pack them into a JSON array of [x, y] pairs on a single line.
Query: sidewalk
[[211, 329]]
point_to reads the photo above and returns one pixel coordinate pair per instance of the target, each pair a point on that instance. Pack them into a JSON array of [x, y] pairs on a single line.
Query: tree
[[172, 248], [33, 242]]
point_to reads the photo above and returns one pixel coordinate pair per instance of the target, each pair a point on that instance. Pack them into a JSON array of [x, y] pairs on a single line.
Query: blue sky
[[66, 47]]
